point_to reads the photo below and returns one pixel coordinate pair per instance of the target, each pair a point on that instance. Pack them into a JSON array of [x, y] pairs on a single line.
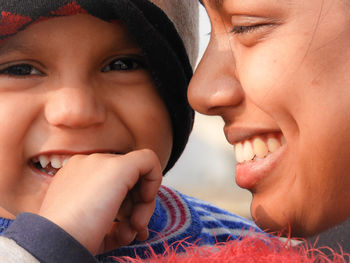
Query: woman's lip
[[249, 174], [238, 134]]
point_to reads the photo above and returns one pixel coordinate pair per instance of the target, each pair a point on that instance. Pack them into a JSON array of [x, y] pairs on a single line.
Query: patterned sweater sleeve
[[44, 240], [181, 221]]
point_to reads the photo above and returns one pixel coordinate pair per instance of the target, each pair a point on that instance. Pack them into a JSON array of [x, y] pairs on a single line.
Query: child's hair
[[165, 54]]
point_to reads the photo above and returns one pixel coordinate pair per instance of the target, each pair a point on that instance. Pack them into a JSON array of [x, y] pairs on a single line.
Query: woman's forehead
[[219, 4]]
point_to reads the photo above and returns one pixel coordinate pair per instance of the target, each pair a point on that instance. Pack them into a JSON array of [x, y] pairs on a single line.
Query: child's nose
[[75, 105], [214, 86]]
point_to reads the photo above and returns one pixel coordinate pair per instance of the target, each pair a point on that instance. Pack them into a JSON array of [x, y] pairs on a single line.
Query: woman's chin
[[276, 221], [277, 224], [267, 221]]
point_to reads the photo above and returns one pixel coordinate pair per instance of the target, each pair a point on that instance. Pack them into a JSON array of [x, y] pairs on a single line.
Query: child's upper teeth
[[44, 161], [56, 161], [259, 147]]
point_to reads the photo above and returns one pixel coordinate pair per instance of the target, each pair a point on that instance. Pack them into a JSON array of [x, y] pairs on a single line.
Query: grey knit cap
[[185, 16]]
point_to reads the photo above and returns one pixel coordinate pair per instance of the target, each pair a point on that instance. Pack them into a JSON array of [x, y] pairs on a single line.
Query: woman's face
[[278, 73]]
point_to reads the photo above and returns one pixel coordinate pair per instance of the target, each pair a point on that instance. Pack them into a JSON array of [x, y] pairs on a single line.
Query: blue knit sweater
[[176, 217]]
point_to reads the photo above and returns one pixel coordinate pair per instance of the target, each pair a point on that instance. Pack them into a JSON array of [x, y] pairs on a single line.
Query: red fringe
[[257, 249]]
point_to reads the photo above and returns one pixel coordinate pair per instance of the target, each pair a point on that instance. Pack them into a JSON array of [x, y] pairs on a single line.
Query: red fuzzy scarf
[[248, 249]]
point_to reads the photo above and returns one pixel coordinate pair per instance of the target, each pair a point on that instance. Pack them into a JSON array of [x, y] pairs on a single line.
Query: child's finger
[[150, 171], [125, 209], [110, 240], [124, 233], [141, 215], [142, 235]]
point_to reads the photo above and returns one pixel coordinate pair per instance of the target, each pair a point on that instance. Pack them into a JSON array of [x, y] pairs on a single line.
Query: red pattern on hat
[[10, 23], [70, 9]]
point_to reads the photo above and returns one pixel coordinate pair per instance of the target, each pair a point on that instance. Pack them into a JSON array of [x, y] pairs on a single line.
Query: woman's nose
[[74, 104], [214, 86]]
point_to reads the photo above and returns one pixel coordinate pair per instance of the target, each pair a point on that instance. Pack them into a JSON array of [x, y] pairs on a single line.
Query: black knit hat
[[151, 29]]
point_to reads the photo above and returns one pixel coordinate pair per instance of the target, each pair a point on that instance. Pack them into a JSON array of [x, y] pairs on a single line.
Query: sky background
[[204, 30]]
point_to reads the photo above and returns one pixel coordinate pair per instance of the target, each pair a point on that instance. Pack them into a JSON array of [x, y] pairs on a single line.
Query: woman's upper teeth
[[56, 161], [259, 146]]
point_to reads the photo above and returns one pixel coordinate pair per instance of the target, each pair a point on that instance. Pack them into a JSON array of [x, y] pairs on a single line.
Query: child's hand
[[122, 233], [86, 195]]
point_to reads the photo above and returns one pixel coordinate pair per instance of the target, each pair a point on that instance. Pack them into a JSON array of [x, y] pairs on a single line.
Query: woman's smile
[[276, 73], [257, 152]]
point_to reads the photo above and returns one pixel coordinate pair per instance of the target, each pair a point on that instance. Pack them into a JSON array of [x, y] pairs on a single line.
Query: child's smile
[[72, 85], [49, 163]]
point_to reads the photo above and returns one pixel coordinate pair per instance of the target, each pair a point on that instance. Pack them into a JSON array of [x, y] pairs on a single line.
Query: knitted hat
[[169, 59], [185, 16]]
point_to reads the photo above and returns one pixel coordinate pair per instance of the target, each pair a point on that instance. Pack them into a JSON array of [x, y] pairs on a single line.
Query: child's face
[[278, 73], [72, 85]]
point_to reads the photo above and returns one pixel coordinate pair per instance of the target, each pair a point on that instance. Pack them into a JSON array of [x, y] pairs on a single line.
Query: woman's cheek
[[261, 77]]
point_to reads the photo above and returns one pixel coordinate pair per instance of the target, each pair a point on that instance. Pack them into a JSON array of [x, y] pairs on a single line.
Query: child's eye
[[124, 64], [20, 70]]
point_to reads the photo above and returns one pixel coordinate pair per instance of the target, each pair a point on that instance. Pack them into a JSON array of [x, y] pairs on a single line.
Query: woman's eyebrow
[[213, 3]]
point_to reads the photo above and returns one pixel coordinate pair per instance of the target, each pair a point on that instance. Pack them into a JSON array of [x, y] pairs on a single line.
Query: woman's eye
[[20, 70], [245, 29], [124, 64]]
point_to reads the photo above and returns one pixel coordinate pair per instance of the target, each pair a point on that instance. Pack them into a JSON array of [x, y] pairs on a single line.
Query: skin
[[71, 99], [284, 67]]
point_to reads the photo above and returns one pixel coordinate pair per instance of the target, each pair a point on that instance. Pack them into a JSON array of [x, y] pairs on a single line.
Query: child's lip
[[49, 162], [73, 152]]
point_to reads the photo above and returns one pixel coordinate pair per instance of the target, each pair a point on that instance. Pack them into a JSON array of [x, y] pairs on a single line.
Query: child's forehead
[[84, 31], [13, 45], [15, 18]]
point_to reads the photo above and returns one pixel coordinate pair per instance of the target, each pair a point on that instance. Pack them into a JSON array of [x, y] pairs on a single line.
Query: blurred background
[[206, 168]]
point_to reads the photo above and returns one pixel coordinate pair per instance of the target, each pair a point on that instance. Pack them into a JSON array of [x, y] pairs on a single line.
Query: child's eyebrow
[[15, 46]]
